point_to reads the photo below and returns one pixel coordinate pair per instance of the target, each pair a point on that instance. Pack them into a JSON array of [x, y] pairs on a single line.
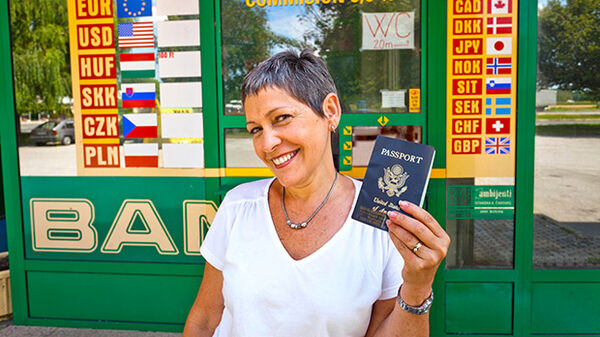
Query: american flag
[[136, 35], [497, 145]]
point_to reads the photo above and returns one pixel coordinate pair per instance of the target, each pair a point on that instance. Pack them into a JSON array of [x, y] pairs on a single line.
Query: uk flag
[[497, 145]]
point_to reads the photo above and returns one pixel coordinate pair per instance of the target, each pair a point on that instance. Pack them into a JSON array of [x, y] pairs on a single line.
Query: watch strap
[[417, 310]]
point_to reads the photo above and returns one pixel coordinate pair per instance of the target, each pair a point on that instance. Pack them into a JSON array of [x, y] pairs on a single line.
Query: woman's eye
[[282, 117], [255, 130]]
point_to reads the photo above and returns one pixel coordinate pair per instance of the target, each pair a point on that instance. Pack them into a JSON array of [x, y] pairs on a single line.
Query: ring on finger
[[417, 247]]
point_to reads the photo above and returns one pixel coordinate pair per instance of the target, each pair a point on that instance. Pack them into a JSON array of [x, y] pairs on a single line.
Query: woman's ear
[[332, 109]]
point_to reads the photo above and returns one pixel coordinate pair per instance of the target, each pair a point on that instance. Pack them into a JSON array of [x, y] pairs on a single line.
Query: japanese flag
[[499, 45]]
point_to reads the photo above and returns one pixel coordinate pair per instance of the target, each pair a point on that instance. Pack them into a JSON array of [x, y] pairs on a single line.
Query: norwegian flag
[[496, 25], [498, 66], [497, 145], [499, 7]]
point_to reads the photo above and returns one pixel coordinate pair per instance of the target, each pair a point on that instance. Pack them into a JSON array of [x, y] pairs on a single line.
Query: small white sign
[[390, 30], [392, 99], [179, 64], [181, 95]]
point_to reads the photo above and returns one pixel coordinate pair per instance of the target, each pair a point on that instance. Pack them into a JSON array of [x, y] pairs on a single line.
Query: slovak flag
[[138, 95], [498, 85], [497, 145], [499, 6], [143, 125], [141, 155], [497, 125]]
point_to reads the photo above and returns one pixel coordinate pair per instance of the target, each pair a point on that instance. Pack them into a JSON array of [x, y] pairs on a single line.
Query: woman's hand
[[423, 244]]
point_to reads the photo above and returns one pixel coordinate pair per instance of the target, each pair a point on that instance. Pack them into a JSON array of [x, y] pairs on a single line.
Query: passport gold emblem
[[393, 180]]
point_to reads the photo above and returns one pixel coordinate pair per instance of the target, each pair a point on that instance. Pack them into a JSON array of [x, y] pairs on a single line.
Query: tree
[[40, 45], [569, 46], [247, 40]]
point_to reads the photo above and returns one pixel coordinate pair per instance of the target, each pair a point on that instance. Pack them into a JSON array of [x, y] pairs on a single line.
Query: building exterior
[[106, 232]]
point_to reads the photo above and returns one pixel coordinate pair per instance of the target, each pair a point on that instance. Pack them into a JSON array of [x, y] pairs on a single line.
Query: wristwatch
[[420, 310]]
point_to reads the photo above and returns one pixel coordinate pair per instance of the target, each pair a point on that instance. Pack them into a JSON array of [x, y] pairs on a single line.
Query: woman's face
[[288, 136]]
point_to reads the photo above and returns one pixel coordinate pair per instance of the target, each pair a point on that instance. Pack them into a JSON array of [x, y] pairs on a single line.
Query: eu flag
[[134, 8]]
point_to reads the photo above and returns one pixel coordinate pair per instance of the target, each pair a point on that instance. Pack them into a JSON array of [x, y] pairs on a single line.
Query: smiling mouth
[[284, 159]]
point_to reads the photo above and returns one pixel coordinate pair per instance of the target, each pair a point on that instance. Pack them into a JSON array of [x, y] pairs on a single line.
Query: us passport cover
[[398, 170]]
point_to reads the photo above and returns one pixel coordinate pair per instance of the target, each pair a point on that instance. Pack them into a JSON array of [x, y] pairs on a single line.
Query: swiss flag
[[497, 125], [499, 7]]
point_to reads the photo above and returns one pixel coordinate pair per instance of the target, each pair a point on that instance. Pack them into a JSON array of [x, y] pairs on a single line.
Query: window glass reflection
[[373, 49]]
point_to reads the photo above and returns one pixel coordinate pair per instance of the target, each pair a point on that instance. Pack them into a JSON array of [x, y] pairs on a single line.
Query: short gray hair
[[304, 77]]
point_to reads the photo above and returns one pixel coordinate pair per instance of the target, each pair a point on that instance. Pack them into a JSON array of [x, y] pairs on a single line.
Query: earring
[[332, 127]]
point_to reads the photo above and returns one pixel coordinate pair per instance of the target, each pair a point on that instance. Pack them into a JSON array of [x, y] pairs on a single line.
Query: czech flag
[[498, 85], [138, 95], [140, 125], [141, 155]]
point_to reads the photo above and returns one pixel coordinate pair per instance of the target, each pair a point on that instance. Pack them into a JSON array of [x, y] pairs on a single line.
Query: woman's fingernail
[[392, 214], [388, 222], [403, 203]]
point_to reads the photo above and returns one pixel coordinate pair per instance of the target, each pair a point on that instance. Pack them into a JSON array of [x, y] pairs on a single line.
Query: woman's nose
[[270, 140]]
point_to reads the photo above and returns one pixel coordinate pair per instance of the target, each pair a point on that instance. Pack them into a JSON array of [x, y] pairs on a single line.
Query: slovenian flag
[[138, 95], [140, 65], [140, 125], [141, 155], [497, 85]]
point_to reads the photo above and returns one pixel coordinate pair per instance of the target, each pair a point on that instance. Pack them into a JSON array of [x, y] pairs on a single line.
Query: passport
[[398, 170]]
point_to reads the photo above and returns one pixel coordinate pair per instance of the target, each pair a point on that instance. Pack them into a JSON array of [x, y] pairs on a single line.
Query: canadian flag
[[499, 6]]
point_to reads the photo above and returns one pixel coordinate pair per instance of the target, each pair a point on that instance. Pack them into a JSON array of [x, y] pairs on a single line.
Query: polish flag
[[141, 155]]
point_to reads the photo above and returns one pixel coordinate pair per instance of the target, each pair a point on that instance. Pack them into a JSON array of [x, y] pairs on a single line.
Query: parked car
[[62, 132]]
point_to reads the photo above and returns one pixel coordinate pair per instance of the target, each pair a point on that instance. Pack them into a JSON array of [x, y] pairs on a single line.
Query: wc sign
[[68, 226], [390, 30]]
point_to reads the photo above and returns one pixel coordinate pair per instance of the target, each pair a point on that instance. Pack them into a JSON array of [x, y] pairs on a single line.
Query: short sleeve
[[392, 273], [215, 243]]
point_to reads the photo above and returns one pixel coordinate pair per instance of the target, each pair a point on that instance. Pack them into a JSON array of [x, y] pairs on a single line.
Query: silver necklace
[[303, 224]]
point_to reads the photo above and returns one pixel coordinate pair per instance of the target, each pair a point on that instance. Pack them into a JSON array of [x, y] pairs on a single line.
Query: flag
[[138, 95], [501, 106], [141, 155], [497, 125], [134, 8], [497, 145], [178, 33], [498, 66], [189, 155], [181, 95], [178, 7], [179, 64], [140, 125], [181, 125], [499, 25], [136, 35], [137, 65], [499, 45], [498, 85], [499, 7]]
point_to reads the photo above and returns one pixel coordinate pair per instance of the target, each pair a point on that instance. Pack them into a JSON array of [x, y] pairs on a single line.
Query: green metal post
[[10, 171]]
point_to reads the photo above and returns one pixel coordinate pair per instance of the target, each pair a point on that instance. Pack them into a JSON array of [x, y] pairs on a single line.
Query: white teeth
[[283, 159]]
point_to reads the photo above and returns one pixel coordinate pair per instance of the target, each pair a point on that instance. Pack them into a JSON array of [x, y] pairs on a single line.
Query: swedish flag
[[134, 8]]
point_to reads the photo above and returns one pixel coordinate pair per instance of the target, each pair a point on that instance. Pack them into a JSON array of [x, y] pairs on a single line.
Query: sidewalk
[[9, 330]]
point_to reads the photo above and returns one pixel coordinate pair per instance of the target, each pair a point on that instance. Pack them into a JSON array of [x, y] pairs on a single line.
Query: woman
[[284, 257]]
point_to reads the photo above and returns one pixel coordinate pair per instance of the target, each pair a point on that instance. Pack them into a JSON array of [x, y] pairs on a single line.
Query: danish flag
[[496, 25]]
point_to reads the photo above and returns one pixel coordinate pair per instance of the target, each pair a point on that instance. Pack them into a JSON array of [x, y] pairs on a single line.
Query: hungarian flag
[[140, 65], [141, 155], [138, 95], [143, 125]]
